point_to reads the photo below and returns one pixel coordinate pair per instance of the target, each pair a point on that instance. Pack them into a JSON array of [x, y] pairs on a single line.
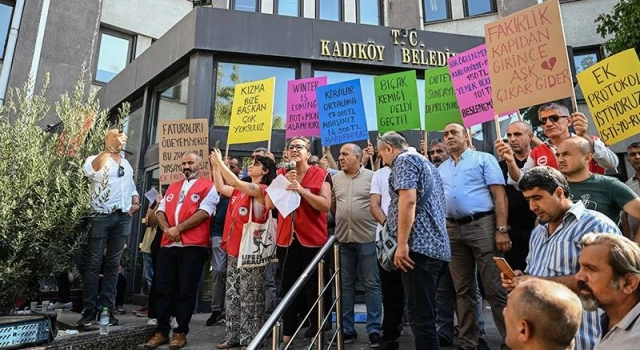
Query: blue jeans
[[108, 231], [362, 255], [420, 286], [147, 268]]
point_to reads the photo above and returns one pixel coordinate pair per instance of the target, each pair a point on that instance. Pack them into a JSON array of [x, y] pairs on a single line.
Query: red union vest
[[543, 154], [199, 235], [310, 225], [237, 217]]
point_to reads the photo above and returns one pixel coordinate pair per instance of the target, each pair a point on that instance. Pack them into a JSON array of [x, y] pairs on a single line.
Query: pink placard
[[302, 107], [472, 85]]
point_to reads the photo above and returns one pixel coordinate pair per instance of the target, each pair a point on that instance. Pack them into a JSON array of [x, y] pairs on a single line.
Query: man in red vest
[[184, 216], [555, 120]]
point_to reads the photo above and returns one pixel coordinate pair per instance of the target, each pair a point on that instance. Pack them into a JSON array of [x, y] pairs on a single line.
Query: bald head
[[579, 143], [519, 135], [542, 312], [350, 158], [574, 155]]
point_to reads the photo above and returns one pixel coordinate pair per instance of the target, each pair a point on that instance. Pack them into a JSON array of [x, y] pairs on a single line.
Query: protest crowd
[[432, 231]]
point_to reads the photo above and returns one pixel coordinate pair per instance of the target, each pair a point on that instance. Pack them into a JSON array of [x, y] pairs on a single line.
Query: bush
[[44, 197]]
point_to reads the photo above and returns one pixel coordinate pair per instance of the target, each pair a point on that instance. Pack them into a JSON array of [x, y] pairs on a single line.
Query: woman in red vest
[[302, 233], [244, 297]]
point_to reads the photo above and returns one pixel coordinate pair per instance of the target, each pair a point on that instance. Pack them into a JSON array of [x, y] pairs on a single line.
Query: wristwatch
[[502, 229]]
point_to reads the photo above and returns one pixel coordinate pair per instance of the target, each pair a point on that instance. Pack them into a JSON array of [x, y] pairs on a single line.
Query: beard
[[589, 301]]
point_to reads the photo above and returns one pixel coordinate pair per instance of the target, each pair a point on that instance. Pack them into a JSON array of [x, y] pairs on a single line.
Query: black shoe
[[390, 345], [444, 341], [346, 338], [88, 318], [374, 340], [113, 321], [214, 318], [482, 344]]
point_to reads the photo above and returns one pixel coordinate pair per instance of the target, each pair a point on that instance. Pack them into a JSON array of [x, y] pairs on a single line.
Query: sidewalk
[[202, 337]]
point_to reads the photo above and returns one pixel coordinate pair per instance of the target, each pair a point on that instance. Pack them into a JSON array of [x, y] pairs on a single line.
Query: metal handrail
[[272, 323]]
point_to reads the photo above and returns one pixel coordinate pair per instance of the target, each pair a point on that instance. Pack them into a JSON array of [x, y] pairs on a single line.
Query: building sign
[[412, 50]]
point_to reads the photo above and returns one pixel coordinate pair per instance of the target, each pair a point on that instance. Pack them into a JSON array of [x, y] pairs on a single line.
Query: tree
[[624, 24]]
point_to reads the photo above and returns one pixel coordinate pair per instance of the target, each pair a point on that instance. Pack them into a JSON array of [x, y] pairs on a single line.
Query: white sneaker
[[152, 322], [174, 323]]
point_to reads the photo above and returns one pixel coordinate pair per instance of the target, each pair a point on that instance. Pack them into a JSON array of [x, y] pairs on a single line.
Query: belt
[[469, 218]]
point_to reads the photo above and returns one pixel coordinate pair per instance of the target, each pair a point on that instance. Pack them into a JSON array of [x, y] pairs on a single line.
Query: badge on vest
[[542, 160], [169, 198], [195, 198], [243, 211]]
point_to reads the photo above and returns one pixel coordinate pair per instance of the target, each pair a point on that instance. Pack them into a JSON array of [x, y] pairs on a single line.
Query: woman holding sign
[[244, 297], [302, 233]]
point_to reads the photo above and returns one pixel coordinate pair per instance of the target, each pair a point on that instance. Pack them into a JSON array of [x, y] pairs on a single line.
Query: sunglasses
[[296, 147], [120, 171], [552, 118]]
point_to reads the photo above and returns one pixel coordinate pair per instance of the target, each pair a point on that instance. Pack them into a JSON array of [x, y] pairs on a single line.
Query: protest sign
[[252, 112], [341, 113], [441, 105], [528, 62], [612, 92], [178, 137], [472, 85], [397, 104], [302, 107]]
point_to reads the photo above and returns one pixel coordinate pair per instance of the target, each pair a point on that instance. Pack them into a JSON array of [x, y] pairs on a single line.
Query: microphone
[[290, 165]]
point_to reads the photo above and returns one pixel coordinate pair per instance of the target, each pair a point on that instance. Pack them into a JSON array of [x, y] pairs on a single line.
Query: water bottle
[[104, 321]]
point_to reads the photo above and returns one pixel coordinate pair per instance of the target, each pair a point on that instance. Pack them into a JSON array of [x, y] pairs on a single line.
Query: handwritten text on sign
[[341, 113], [178, 137], [397, 103], [441, 106], [252, 112], [612, 91], [470, 78], [528, 58], [302, 107]]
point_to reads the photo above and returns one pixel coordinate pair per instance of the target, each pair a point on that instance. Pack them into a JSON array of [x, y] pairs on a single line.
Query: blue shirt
[[466, 185], [428, 237], [217, 221], [557, 255]]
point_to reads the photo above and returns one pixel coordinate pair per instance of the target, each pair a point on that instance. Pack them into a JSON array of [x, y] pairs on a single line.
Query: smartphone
[[503, 265], [217, 144]]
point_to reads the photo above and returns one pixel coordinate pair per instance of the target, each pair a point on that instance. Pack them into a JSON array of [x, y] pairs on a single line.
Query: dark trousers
[[420, 285], [121, 287], [181, 268], [392, 303], [517, 255], [293, 260]]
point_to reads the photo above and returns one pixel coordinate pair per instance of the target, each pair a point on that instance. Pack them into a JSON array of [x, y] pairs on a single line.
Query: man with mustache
[[609, 279], [630, 225], [554, 250], [184, 216], [555, 120]]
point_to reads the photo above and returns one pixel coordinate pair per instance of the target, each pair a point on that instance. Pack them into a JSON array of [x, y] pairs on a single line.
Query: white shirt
[[208, 204], [119, 189], [380, 185]]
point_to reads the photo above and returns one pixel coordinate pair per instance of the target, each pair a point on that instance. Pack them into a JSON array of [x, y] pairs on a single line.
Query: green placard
[[397, 104], [441, 106]]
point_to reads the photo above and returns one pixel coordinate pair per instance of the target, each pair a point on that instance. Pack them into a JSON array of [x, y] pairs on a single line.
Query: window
[[171, 103], [479, 7], [289, 7], [369, 12], [330, 10], [116, 51], [230, 74], [583, 59], [6, 13], [133, 125], [246, 5], [436, 10]]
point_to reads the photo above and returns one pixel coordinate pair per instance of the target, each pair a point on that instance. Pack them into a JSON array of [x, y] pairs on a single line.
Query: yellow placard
[[252, 112], [612, 91], [528, 62]]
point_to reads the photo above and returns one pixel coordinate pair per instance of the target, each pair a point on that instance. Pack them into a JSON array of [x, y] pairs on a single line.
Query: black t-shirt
[[520, 216]]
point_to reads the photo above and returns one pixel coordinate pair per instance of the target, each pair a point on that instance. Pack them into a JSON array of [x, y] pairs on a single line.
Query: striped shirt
[[557, 255]]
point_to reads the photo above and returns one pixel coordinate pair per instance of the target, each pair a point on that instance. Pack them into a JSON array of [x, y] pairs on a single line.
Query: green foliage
[[623, 23], [44, 194]]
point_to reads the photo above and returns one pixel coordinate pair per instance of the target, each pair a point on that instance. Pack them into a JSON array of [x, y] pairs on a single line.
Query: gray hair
[[554, 106], [624, 256], [393, 139], [260, 149], [198, 158], [356, 150], [526, 125]]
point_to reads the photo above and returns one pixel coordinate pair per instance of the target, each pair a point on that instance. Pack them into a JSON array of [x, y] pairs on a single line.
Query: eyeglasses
[[552, 118], [296, 147], [120, 171]]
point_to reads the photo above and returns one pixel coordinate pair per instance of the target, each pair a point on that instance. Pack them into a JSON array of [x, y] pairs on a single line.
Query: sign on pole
[[471, 82], [528, 58], [612, 92], [441, 106], [302, 107], [341, 113], [252, 112], [178, 137], [397, 104]]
